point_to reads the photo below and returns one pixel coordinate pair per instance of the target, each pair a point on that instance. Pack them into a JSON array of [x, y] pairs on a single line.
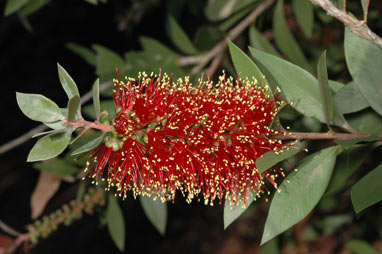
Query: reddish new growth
[[203, 141]]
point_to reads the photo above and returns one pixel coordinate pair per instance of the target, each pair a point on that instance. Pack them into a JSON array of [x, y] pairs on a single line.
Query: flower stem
[[95, 125]]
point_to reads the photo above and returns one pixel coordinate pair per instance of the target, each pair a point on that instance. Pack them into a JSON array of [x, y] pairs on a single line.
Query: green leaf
[[115, 222], [258, 41], [347, 143], [269, 159], [366, 121], [49, 146], [335, 86], [206, 37], [234, 18], [38, 107], [232, 212], [88, 146], [88, 55], [270, 247], [299, 86], [108, 105], [96, 102], [349, 99], [303, 10], [179, 37], [364, 60], [245, 66], [346, 164], [79, 135], [326, 95], [360, 247], [214, 8], [33, 6], [365, 8], [153, 46], [107, 60], [285, 40], [73, 105], [58, 125], [13, 5], [57, 167], [155, 57], [367, 191], [294, 202], [47, 132], [67, 82], [156, 212]]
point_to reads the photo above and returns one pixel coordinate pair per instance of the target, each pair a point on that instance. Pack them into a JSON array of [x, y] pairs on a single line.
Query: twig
[[215, 52], [25, 137], [94, 125], [95, 198], [327, 135], [7, 229], [358, 27]]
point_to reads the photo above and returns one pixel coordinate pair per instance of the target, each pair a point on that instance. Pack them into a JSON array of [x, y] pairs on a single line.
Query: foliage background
[[28, 63]]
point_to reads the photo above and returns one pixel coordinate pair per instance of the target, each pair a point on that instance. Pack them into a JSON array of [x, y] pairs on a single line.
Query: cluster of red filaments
[[202, 141]]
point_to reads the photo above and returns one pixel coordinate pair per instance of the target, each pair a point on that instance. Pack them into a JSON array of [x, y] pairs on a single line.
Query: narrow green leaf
[[38, 107], [115, 222], [156, 212], [360, 247], [108, 105], [346, 164], [245, 66], [67, 82], [58, 125], [285, 40], [365, 8], [57, 167], [81, 191], [107, 60], [269, 159], [33, 6], [347, 143], [366, 121], [47, 132], [88, 55], [13, 5], [179, 37], [234, 18], [96, 102], [49, 146], [153, 46], [299, 86], [294, 202], [326, 95], [367, 191], [349, 99], [232, 212], [258, 41], [335, 86], [270, 247], [303, 10], [79, 135], [364, 60], [73, 105], [207, 36], [88, 146], [214, 8]]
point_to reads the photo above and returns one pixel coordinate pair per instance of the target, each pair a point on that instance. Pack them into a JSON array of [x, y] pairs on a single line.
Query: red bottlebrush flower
[[203, 141]]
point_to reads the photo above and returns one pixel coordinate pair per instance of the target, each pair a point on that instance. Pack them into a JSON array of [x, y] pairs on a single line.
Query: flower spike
[[203, 141]]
